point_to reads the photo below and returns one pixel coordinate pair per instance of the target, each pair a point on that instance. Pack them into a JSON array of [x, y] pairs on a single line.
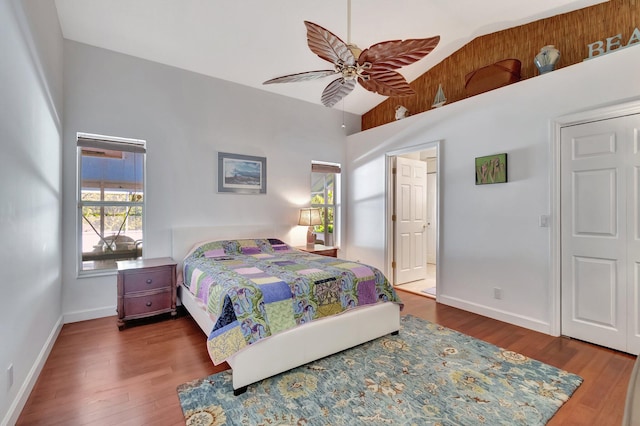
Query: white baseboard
[[89, 314], [497, 314], [30, 381]]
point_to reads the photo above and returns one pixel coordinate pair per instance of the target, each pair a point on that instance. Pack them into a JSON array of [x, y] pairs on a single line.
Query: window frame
[[318, 167], [85, 140]]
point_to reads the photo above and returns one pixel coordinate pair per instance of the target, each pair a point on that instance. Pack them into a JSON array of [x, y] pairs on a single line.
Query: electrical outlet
[[9, 376], [497, 293]]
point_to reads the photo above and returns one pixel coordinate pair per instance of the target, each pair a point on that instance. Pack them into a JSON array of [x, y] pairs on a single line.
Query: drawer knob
[[149, 280], [148, 303]]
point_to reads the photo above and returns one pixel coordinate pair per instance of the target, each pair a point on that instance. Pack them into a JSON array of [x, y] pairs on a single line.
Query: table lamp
[[310, 217]]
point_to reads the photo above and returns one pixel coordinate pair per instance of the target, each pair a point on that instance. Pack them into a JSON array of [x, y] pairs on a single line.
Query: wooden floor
[[97, 375]]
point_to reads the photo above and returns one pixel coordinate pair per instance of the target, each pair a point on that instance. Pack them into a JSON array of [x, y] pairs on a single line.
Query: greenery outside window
[[110, 200], [325, 189]]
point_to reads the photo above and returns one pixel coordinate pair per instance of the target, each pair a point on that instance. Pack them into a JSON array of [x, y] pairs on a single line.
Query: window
[[325, 188], [110, 200]]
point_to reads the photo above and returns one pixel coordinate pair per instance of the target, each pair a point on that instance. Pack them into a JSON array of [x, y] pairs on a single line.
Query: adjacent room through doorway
[[412, 218]]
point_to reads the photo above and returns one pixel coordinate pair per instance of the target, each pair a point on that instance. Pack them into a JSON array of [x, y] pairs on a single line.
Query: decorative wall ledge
[[571, 33]]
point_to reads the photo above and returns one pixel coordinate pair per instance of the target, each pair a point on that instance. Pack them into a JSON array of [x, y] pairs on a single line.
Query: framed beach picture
[[491, 169], [242, 174]]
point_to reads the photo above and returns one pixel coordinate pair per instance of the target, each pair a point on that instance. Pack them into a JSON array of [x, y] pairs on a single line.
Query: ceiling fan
[[374, 68]]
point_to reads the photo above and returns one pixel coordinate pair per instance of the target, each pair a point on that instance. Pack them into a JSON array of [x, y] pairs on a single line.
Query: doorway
[[412, 218], [599, 207]]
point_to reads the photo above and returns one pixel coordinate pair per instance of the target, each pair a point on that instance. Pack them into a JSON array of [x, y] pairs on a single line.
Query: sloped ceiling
[[250, 41]]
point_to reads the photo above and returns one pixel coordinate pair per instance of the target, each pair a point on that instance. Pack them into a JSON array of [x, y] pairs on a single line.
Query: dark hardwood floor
[[97, 375]]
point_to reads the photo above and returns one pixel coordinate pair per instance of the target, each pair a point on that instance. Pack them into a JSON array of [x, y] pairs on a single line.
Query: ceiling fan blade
[[398, 53], [302, 76], [327, 45], [387, 83], [336, 90]]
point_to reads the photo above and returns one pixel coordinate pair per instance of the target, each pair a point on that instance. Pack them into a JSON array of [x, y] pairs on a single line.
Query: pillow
[[248, 247], [277, 245], [214, 252], [254, 246], [265, 245], [217, 249]]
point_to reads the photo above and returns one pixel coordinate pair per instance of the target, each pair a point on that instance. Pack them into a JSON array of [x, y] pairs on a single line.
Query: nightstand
[[320, 249], [146, 287]]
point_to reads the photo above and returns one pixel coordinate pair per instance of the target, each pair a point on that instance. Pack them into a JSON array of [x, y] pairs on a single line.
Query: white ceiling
[[250, 41]]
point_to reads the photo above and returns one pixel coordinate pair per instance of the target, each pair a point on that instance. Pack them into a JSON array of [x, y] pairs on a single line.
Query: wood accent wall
[[570, 33]]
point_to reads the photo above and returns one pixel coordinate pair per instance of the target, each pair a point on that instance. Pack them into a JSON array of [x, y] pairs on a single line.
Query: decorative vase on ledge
[[401, 112], [547, 59]]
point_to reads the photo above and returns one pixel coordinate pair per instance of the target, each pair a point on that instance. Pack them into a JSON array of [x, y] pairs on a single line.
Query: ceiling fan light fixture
[[350, 73], [374, 68], [355, 50]]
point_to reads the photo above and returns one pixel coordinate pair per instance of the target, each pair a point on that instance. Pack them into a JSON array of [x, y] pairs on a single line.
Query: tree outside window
[[324, 185]]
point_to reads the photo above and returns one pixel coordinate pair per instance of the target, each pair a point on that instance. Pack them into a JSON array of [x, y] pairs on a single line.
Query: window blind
[[325, 168], [112, 145]]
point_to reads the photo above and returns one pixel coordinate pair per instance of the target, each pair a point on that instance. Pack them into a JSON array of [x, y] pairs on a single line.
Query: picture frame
[[491, 169], [241, 174]]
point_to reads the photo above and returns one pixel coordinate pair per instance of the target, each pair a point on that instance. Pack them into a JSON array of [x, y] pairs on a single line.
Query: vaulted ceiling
[[250, 41]]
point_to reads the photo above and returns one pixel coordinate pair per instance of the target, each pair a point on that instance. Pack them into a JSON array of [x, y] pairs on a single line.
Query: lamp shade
[[310, 217]]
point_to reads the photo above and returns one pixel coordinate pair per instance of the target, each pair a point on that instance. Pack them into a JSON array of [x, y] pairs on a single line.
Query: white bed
[[273, 355]]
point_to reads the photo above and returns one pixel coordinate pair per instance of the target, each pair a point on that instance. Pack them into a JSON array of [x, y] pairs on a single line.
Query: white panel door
[[600, 256], [432, 226], [632, 129], [410, 240]]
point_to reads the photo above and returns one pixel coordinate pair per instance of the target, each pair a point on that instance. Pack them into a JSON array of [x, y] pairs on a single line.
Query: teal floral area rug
[[426, 375]]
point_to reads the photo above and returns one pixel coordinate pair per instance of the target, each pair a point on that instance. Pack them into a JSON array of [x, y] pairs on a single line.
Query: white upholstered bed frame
[[313, 341]]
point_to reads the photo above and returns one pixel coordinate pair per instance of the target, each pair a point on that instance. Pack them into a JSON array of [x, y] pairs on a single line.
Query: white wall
[[489, 235], [185, 119], [30, 194]]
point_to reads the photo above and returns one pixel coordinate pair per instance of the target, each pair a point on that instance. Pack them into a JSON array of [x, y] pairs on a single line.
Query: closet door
[[632, 130], [599, 205]]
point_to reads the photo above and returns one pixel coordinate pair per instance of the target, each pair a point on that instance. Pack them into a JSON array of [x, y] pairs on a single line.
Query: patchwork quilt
[[255, 288]]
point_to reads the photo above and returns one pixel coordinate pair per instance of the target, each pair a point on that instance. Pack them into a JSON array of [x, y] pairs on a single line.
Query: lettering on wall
[[602, 47]]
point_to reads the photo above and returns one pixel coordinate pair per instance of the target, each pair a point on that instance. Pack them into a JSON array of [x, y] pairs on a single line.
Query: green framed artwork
[[491, 169]]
